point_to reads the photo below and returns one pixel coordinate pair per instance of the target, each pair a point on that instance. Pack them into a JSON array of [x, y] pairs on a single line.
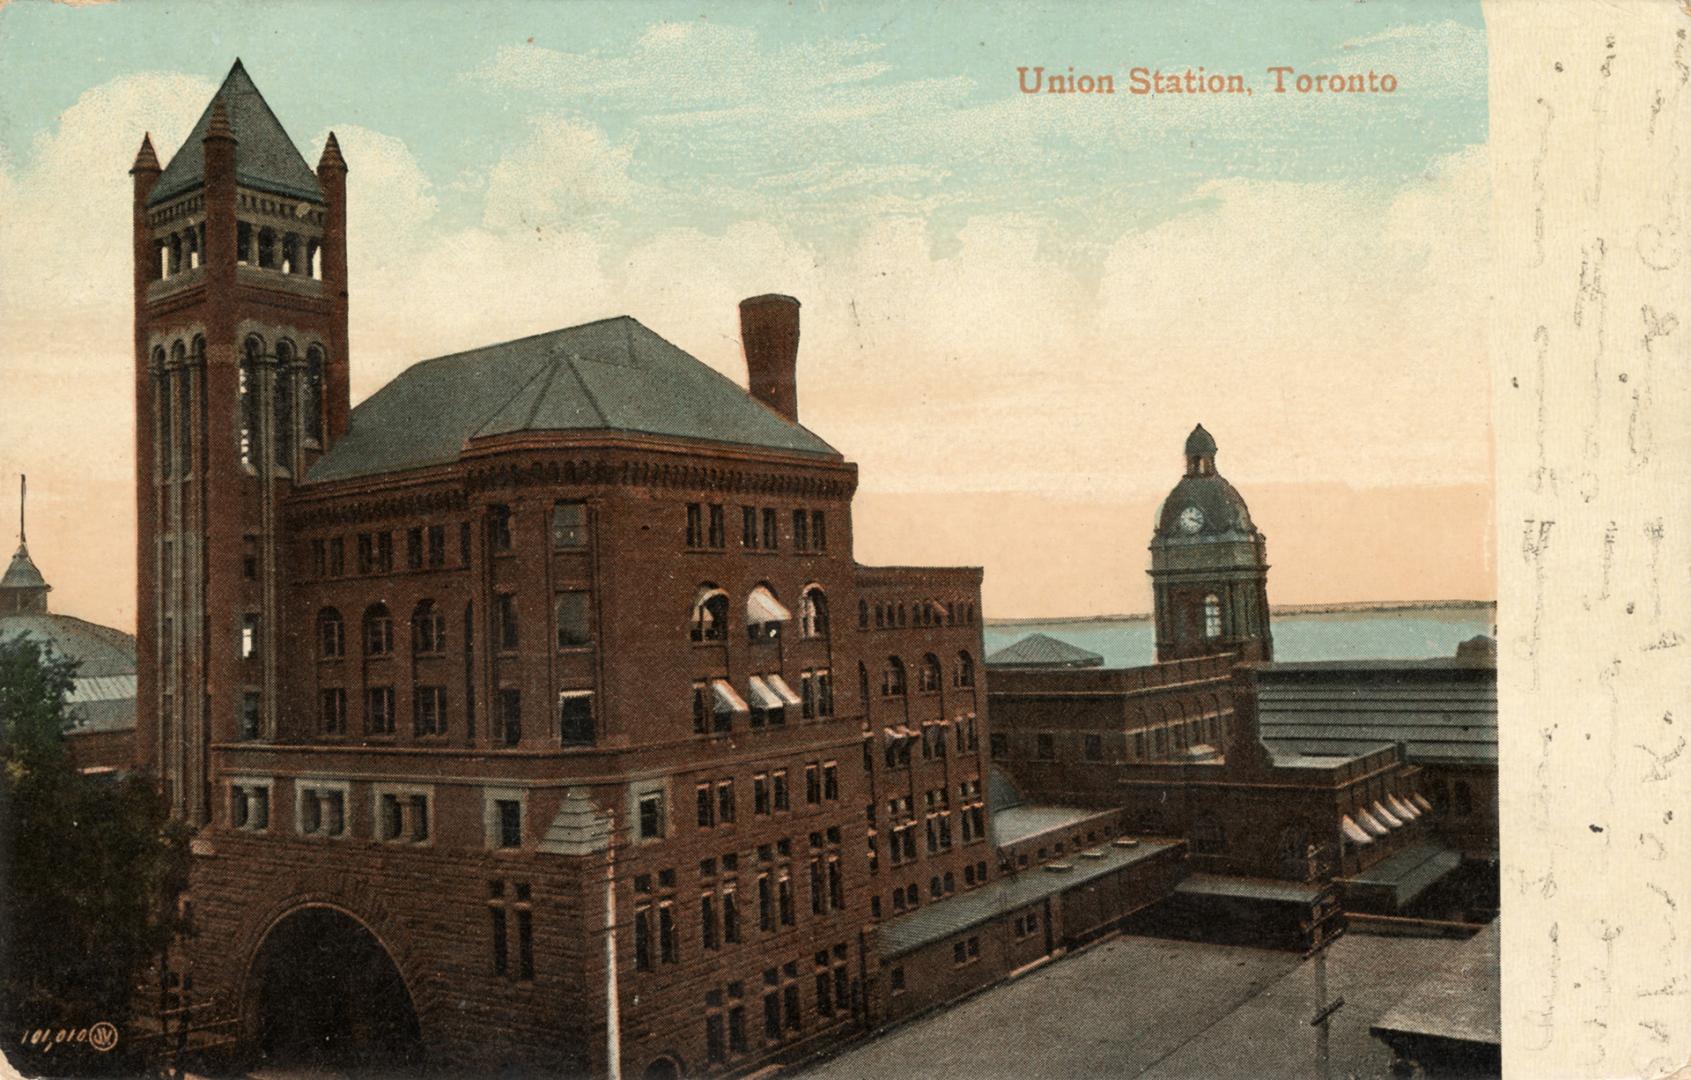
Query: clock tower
[[1209, 566]]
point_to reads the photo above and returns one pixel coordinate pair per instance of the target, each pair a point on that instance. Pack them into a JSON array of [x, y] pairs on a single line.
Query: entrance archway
[[327, 993]]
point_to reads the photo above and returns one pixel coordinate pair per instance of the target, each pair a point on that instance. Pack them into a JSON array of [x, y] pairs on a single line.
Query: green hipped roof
[[612, 376], [265, 157], [1043, 650]]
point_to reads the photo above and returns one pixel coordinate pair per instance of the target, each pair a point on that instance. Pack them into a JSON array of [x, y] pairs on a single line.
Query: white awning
[[726, 699], [763, 697], [1370, 822], [1353, 832], [785, 692], [1421, 801], [762, 607], [1385, 815], [1402, 809]]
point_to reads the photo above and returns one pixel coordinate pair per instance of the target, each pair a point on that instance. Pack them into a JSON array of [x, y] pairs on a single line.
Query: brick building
[[535, 712], [1177, 746]]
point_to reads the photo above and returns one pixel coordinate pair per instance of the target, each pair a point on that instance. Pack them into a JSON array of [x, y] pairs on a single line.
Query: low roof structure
[[1044, 651], [1451, 1023]]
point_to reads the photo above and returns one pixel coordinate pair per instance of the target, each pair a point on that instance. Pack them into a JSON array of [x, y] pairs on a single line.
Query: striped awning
[[727, 700], [1370, 822], [782, 690], [1353, 832], [1390, 819], [763, 697], [1421, 801], [762, 607], [1402, 809]]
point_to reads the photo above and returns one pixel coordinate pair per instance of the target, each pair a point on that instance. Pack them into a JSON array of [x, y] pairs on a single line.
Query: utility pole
[[1325, 927]]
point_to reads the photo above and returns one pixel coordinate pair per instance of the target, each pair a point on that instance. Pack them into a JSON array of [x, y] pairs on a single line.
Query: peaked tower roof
[[265, 157], [22, 574]]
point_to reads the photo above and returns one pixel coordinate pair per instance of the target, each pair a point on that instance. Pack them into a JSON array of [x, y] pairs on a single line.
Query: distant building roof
[[614, 375], [1445, 711], [103, 696], [1458, 1005], [1017, 823], [265, 157], [1043, 650], [938, 921]]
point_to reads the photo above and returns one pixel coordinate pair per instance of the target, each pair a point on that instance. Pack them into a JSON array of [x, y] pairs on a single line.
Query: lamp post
[[1325, 928]]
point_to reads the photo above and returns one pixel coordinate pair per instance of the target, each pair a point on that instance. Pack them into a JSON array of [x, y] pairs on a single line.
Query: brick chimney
[[769, 330]]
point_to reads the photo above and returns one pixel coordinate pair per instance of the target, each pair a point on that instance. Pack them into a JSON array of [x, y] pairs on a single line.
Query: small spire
[[219, 127], [331, 158], [145, 159], [23, 495]]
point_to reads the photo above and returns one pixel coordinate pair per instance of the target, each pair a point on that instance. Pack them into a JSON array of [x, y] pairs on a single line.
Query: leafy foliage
[[89, 871]]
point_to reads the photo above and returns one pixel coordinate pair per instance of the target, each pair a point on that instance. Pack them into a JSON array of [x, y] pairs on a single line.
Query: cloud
[[564, 171], [1444, 57]]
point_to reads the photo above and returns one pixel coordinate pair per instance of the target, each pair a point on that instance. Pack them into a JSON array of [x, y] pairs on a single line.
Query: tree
[[90, 869]]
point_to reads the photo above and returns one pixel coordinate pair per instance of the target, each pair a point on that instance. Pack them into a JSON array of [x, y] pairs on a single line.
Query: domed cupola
[[1209, 565]]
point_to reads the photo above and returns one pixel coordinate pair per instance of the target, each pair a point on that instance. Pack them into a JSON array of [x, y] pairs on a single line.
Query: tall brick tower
[[1209, 566], [240, 383]]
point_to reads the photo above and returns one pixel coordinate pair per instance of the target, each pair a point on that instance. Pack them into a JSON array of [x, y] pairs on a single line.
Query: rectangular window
[[250, 722], [1047, 747], [780, 777], [506, 608], [384, 552], [801, 530], [331, 711], [419, 811], [707, 807], [695, 525], [319, 559], [366, 553], [765, 904], [463, 543], [249, 635], [337, 556], [414, 547], [499, 528], [717, 528], [736, 1024], [831, 780], [748, 526], [725, 801], [666, 933], [574, 627], [707, 922], [508, 721], [760, 794], [437, 545], [569, 526], [575, 718], [784, 895], [249, 557], [499, 941], [701, 708], [771, 530], [730, 916], [715, 1045], [508, 821], [813, 783], [651, 816], [818, 531], [643, 939], [525, 944], [1094, 749], [772, 1014], [429, 709]]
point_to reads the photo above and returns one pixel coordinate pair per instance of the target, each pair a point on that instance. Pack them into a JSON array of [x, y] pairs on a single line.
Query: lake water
[[1405, 634]]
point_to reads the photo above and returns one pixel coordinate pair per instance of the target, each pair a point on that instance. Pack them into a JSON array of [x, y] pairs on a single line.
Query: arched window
[[929, 679], [863, 614], [312, 409], [965, 670], [378, 631], [166, 421], [185, 407], [1212, 616], [175, 266], [863, 688], [764, 614], [813, 613], [499, 527], [248, 376], [1208, 836], [331, 634], [428, 629], [710, 614], [282, 414], [892, 678]]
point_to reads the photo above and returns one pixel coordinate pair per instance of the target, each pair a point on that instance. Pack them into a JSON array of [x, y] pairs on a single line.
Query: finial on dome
[[1200, 452]]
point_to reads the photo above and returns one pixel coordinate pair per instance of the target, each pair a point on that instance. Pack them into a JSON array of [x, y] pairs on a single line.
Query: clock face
[[1191, 519]]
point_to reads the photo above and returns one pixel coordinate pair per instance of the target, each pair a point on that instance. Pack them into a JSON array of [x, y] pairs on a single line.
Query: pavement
[[1160, 1009]]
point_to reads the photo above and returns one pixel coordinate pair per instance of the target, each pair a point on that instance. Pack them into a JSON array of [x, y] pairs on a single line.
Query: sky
[[1015, 306]]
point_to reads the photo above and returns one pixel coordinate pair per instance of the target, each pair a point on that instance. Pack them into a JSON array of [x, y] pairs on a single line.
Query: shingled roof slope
[[614, 375], [1043, 650], [265, 157]]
